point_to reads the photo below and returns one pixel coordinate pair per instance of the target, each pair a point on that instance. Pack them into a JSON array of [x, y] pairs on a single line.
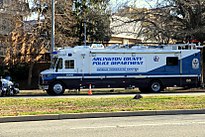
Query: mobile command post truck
[[148, 68]]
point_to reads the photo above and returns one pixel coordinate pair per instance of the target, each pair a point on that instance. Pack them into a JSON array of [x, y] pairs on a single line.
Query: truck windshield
[[53, 63], [59, 64]]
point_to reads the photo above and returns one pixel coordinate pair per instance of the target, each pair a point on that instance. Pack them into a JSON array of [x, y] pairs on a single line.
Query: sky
[[115, 4]]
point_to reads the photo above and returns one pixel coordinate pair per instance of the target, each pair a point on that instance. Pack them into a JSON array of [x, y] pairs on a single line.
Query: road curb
[[97, 115]]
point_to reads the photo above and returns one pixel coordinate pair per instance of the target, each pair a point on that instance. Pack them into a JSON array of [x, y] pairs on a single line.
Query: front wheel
[[57, 88], [155, 86]]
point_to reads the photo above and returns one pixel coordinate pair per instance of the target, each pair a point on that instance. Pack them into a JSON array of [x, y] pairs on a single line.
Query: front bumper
[[43, 87], [42, 84]]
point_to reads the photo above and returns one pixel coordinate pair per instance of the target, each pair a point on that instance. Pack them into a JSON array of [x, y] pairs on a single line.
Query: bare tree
[[169, 20]]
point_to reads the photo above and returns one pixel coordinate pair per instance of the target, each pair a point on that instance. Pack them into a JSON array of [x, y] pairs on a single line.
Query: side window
[[69, 64], [172, 61]]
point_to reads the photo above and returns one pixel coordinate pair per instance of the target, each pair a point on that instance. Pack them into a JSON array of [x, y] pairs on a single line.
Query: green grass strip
[[38, 106]]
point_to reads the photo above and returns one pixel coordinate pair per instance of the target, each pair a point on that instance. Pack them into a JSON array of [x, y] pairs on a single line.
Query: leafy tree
[[64, 20], [26, 47], [29, 42], [95, 16]]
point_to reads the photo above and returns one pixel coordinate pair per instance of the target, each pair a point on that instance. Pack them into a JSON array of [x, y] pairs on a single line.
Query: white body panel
[[140, 66]]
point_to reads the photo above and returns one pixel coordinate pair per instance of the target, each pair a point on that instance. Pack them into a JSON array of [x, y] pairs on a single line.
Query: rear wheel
[[57, 88], [155, 86]]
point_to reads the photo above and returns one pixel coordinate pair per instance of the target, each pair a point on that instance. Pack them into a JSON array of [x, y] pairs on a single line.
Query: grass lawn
[[38, 106]]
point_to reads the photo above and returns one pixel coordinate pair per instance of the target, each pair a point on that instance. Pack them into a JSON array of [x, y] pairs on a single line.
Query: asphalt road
[[139, 126]]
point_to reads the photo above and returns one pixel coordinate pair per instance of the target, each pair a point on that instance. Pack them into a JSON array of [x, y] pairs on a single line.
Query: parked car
[[7, 87]]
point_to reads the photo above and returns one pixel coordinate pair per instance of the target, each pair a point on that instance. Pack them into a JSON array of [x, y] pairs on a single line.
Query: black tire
[[2, 94], [57, 88], [155, 86]]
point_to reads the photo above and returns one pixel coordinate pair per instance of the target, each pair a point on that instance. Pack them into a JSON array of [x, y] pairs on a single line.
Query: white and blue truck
[[149, 68]]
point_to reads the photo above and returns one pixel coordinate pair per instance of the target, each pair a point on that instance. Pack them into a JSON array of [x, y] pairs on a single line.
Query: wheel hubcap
[[156, 87], [57, 88]]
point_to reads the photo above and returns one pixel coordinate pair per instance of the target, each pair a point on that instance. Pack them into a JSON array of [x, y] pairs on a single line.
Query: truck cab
[[67, 63]]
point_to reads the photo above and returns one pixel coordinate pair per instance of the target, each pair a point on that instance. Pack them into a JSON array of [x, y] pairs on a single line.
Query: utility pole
[[84, 13], [53, 29], [85, 31]]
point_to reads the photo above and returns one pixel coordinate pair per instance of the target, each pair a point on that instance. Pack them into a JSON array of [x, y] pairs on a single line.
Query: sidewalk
[[98, 115]]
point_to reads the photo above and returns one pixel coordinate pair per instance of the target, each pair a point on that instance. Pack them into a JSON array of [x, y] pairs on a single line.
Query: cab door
[[65, 66]]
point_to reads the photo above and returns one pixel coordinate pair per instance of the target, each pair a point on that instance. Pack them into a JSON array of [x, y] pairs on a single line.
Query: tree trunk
[[30, 73]]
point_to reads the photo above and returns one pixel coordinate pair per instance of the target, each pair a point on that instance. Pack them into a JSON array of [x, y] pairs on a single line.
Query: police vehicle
[[149, 68]]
